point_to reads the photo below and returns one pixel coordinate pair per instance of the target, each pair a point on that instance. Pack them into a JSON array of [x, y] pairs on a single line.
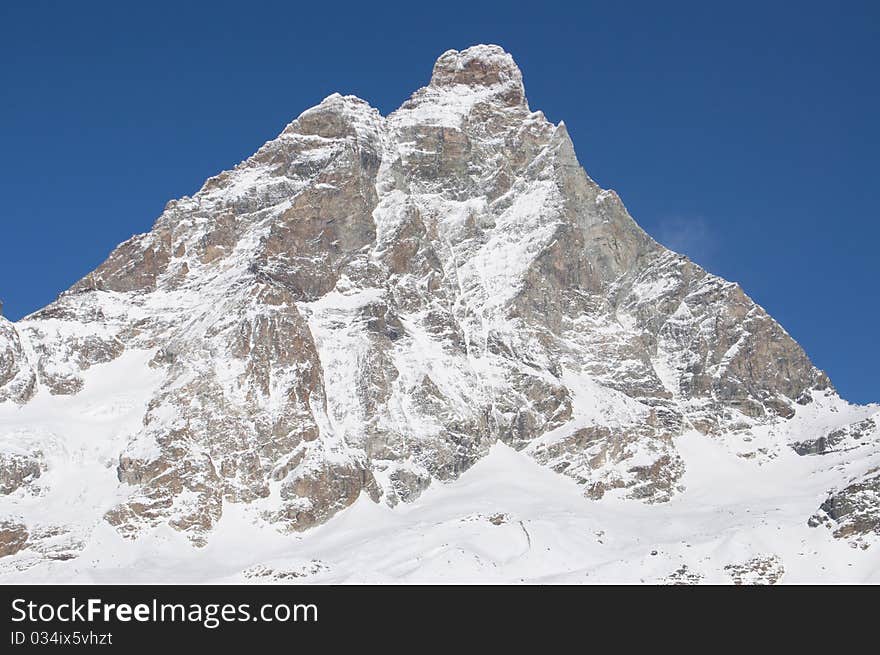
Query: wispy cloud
[[691, 236]]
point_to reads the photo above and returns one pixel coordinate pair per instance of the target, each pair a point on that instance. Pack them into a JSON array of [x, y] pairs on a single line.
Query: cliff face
[[368, 303]]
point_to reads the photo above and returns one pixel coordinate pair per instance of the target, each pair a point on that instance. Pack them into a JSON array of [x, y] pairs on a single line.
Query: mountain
[[376, 314]]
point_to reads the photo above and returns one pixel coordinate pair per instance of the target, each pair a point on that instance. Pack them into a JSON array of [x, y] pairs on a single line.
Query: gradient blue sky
[[745, 135]]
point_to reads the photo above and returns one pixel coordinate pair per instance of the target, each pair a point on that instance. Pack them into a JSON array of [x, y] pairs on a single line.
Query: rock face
[[13, 537], [368, 303], [17, 378], [853, 512], [841, 439]]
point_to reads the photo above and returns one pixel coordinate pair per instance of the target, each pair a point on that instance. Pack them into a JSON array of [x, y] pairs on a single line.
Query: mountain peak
[[367, 307], [479, 65]]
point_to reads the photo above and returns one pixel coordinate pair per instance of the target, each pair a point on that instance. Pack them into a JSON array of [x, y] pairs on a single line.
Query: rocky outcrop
[[17, 378], [13, 537], [761, 570], [841, 439], [19, 469], [853, 512]]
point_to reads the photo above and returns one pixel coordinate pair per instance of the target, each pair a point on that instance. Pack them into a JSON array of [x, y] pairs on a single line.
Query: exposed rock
[[19, 469], [13, 537], [683, 576], [764, 570], [261, 573], [853, 512], [839, 439], [499, 519], [605, 458], [17, 377]]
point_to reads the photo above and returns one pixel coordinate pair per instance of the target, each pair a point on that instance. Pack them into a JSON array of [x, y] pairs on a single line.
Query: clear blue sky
[[745, 135]]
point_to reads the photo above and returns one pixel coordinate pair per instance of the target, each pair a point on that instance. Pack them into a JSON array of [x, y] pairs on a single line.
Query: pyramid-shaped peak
[[479, 65]]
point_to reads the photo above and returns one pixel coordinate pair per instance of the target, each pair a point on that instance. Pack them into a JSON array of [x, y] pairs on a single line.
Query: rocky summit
[[373, 314]]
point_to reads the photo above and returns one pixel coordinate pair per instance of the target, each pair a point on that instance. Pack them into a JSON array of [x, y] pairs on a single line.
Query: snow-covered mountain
[[425, 346]]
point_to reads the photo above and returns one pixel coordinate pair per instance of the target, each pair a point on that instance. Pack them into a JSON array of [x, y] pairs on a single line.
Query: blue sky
[[744, 135]]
